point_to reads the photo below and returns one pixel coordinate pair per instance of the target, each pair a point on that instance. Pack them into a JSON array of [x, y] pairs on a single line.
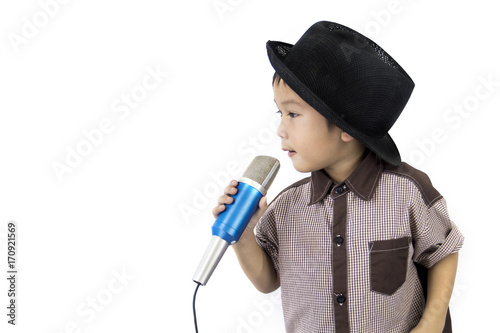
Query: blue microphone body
[[231, 223]]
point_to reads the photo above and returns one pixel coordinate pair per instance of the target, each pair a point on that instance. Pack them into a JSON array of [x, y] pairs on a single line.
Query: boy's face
[[311, 142]]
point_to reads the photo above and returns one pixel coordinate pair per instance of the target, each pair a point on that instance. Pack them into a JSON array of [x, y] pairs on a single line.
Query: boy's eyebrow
[[289, 101]]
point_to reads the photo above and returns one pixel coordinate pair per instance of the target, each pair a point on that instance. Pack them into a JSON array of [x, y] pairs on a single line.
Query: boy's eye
[[290, 114]]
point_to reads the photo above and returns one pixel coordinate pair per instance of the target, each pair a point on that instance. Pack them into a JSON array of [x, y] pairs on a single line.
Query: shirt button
[[339, 190], [341, 299], [339, 240]]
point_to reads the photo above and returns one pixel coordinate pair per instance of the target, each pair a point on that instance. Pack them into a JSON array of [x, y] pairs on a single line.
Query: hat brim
[[383, 146]]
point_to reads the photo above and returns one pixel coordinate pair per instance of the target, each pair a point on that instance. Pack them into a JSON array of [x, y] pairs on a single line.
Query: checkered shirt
[[348, 254]]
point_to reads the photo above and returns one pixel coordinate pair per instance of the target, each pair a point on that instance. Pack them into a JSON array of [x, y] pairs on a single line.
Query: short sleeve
[[435, 236], [267, 236]]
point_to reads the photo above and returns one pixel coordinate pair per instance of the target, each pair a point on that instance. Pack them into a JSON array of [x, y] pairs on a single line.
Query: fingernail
[[234, 182]]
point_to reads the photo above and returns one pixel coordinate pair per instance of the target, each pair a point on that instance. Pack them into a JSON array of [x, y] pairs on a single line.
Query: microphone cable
[[194, 308]]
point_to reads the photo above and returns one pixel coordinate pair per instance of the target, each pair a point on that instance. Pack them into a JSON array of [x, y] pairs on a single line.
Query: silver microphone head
[[261, 173]]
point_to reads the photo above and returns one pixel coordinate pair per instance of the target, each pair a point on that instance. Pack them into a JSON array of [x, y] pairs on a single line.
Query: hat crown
[[360, 82]]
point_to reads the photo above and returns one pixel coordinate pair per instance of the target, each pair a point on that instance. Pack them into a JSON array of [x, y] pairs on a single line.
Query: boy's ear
[[346, 137]]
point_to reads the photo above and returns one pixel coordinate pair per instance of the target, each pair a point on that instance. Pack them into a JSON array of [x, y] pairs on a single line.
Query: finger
[[217, 210], [262, 208], [231, 188], [225, 199], [263, 203]]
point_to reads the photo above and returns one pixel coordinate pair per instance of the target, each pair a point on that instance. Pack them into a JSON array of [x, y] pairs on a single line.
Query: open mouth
[[291, 153]]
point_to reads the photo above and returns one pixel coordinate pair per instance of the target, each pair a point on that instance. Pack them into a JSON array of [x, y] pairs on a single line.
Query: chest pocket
[[388, 264]]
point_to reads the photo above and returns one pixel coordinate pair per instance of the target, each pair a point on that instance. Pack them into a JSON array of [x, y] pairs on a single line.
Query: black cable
[[194, 308]]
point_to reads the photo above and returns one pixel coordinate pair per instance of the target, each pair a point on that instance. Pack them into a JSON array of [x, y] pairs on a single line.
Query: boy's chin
[[304, 166], [301, 167]]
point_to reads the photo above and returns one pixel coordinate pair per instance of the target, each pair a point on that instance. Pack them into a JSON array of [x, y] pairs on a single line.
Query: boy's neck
[[341, 171]]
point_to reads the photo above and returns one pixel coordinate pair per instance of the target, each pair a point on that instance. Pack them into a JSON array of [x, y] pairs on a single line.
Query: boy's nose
[[281, 130]]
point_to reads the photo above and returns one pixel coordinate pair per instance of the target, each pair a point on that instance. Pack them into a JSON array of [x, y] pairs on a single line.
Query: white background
[[139, 203]]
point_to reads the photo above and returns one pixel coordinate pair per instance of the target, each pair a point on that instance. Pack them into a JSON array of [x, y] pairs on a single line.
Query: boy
[[365, 243]]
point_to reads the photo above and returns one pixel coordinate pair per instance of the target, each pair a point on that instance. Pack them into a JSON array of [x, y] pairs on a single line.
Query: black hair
[[277, 78]]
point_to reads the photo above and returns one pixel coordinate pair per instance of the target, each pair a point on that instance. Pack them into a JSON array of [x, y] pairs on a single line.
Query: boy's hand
[[227, 198], [254, 261]]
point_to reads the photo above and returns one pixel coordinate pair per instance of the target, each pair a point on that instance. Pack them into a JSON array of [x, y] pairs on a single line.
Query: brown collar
[[362, 181]]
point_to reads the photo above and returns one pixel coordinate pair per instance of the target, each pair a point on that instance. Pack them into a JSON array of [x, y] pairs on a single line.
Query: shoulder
[[299, 189], [292, 197], [416, 177]]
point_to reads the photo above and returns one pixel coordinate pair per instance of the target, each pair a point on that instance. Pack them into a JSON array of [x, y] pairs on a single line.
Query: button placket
[[339, 258]]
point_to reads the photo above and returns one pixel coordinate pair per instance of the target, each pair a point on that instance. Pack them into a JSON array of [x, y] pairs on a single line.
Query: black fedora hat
[[348, 79]]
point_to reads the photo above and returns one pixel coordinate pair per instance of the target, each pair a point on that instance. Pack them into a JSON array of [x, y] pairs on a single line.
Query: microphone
[[231, 223]]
